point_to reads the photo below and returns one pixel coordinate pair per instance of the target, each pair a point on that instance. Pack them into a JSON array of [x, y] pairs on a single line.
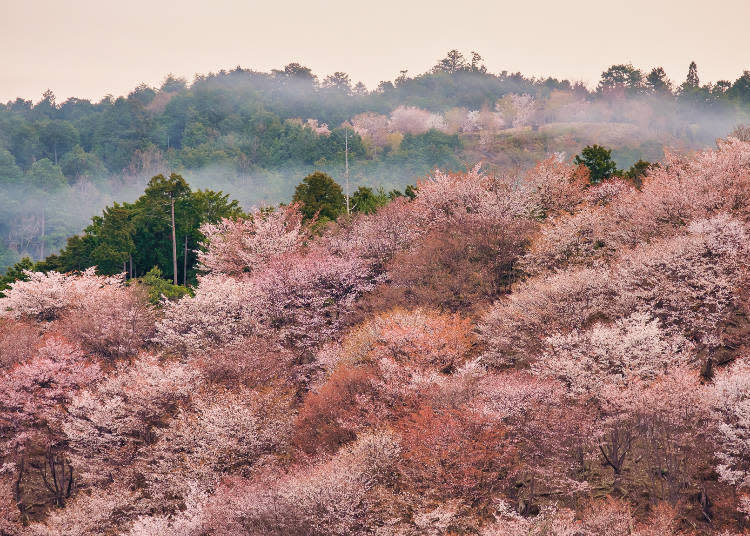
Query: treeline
[[160, 236], [502, 355], [189, 123], [255, 134]]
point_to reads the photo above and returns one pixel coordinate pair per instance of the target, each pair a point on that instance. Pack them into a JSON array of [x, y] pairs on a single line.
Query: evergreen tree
[[140, 234], [367, 201], [320, 195], [599, 161], [657, 81], [692, 79]]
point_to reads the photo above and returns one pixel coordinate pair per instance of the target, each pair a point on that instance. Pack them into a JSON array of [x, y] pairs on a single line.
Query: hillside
[[254, 135], [504, 354]]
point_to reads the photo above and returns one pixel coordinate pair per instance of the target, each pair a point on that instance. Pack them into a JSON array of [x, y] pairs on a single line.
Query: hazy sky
[[89, 48]]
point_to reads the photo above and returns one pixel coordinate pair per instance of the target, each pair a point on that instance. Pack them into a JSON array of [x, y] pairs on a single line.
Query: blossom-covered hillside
[[500, 355]]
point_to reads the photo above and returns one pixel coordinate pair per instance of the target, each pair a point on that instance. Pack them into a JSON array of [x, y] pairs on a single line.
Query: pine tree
[[692, 76]]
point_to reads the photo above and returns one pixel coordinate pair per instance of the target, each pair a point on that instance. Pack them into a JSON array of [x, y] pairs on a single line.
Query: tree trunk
[[184, 267], [174, 244], [18, 491], [41, 240], [346, 156]]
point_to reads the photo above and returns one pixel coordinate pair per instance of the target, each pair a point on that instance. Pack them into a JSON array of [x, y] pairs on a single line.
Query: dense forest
[[561, 351], [255, 135], [527, 315]]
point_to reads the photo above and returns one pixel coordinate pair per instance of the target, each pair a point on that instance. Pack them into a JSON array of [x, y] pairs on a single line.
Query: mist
[[256, 135]]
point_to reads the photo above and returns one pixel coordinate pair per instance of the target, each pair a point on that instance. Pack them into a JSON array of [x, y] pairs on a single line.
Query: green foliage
[[637, 171], [16, 273], [44, 175], [599, 161], [621, 77], [692, 79], [78, 164], [657, 81], [320, 195], [367, 201], [61, 162], [691, 91], [9, 171], [57, 137], [740, 90], [245, 118], [140, 233], [159, 288], [433, 149], [410, 192]]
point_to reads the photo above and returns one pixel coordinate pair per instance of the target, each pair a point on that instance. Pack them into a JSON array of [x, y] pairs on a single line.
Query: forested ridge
[[541, 328], [254, 135], [546, 353]]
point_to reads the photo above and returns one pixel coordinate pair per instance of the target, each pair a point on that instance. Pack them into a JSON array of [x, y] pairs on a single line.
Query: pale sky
[[88, 48]]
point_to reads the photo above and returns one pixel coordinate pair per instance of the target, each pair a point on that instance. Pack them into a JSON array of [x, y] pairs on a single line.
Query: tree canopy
[[138, 234], [599, 162], [320, 196]]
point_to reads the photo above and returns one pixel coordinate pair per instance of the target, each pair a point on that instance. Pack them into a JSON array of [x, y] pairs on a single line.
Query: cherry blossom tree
[[300, 298], [634, 347], [512, 355], [417, 339], [345, 404], [222, 310], [100, 313], [454, 454], [9, 515], [552, 186], [661, 431], [551, 521], [45, 297], [371, 126], [107, 427], [413, 120], [544, 305], [327, 498], [732, 405], [304, 297], [219, 434], [319, 128], [98, 511], [688, 282], [674, 194], [382, 369], [517, 110], [454, 198], [250, 361], [609, 517], [17, 342], [549, 433], [243, 245], [113, 321], [189, 521], [33, 398], [378, 237], [567, 241], [608, 191], [682, 190]]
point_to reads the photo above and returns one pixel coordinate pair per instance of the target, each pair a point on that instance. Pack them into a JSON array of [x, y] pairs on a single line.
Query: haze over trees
[[554, 348], [255, 135], [535, 353]]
